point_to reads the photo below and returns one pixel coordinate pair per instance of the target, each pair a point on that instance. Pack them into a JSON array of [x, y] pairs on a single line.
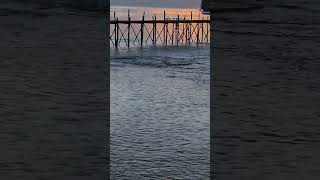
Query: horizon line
[[150, 7]]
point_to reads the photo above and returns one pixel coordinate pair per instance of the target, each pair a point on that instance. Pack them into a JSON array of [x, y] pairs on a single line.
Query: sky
[[158, 3]]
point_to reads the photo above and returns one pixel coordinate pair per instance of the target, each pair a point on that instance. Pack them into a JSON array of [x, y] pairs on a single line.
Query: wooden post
[[208, 30], [177, 30], [164, 27], [115, 30], [202, 31], [129, 25], [167, 29], [173, 30], [117, 33], [198, 31], [187, 31], [142, 29], [152, 30], [183, 30], [155, 29], [190, 32]]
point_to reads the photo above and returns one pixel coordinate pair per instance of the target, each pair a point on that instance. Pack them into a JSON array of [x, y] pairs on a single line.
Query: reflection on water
[[160, 113]]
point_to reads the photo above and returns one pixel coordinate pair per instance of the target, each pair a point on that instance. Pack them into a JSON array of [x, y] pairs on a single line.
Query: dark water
[[160, 113], [266, 94], [53, 96]]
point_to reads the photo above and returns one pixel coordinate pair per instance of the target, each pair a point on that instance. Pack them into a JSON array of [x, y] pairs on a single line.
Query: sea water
[[160, 111]]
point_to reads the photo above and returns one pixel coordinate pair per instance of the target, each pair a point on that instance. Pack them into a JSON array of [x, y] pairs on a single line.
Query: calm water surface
[[160, 113]]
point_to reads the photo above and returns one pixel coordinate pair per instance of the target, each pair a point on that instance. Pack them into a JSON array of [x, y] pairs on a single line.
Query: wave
[[174, 57]]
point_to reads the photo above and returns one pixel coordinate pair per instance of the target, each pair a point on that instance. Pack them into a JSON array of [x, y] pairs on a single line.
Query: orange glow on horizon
[[136, 13]]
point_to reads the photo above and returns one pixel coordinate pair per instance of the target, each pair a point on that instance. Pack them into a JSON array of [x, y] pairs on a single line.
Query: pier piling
[[173, 31]]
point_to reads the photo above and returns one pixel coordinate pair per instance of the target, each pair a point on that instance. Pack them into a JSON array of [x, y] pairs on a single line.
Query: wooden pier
[[164, 31]]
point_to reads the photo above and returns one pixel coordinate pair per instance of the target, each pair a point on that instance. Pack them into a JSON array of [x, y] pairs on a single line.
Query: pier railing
[[165, 31]]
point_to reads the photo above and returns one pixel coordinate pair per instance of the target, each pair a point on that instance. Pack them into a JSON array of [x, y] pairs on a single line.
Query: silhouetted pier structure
[[164, 31]]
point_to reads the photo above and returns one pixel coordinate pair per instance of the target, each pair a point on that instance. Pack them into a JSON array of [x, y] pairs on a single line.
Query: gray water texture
[[265, 91], [53, 94], [160, 113]]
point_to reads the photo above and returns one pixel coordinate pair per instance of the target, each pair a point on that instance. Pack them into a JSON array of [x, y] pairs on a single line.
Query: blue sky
[[158, 3]]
